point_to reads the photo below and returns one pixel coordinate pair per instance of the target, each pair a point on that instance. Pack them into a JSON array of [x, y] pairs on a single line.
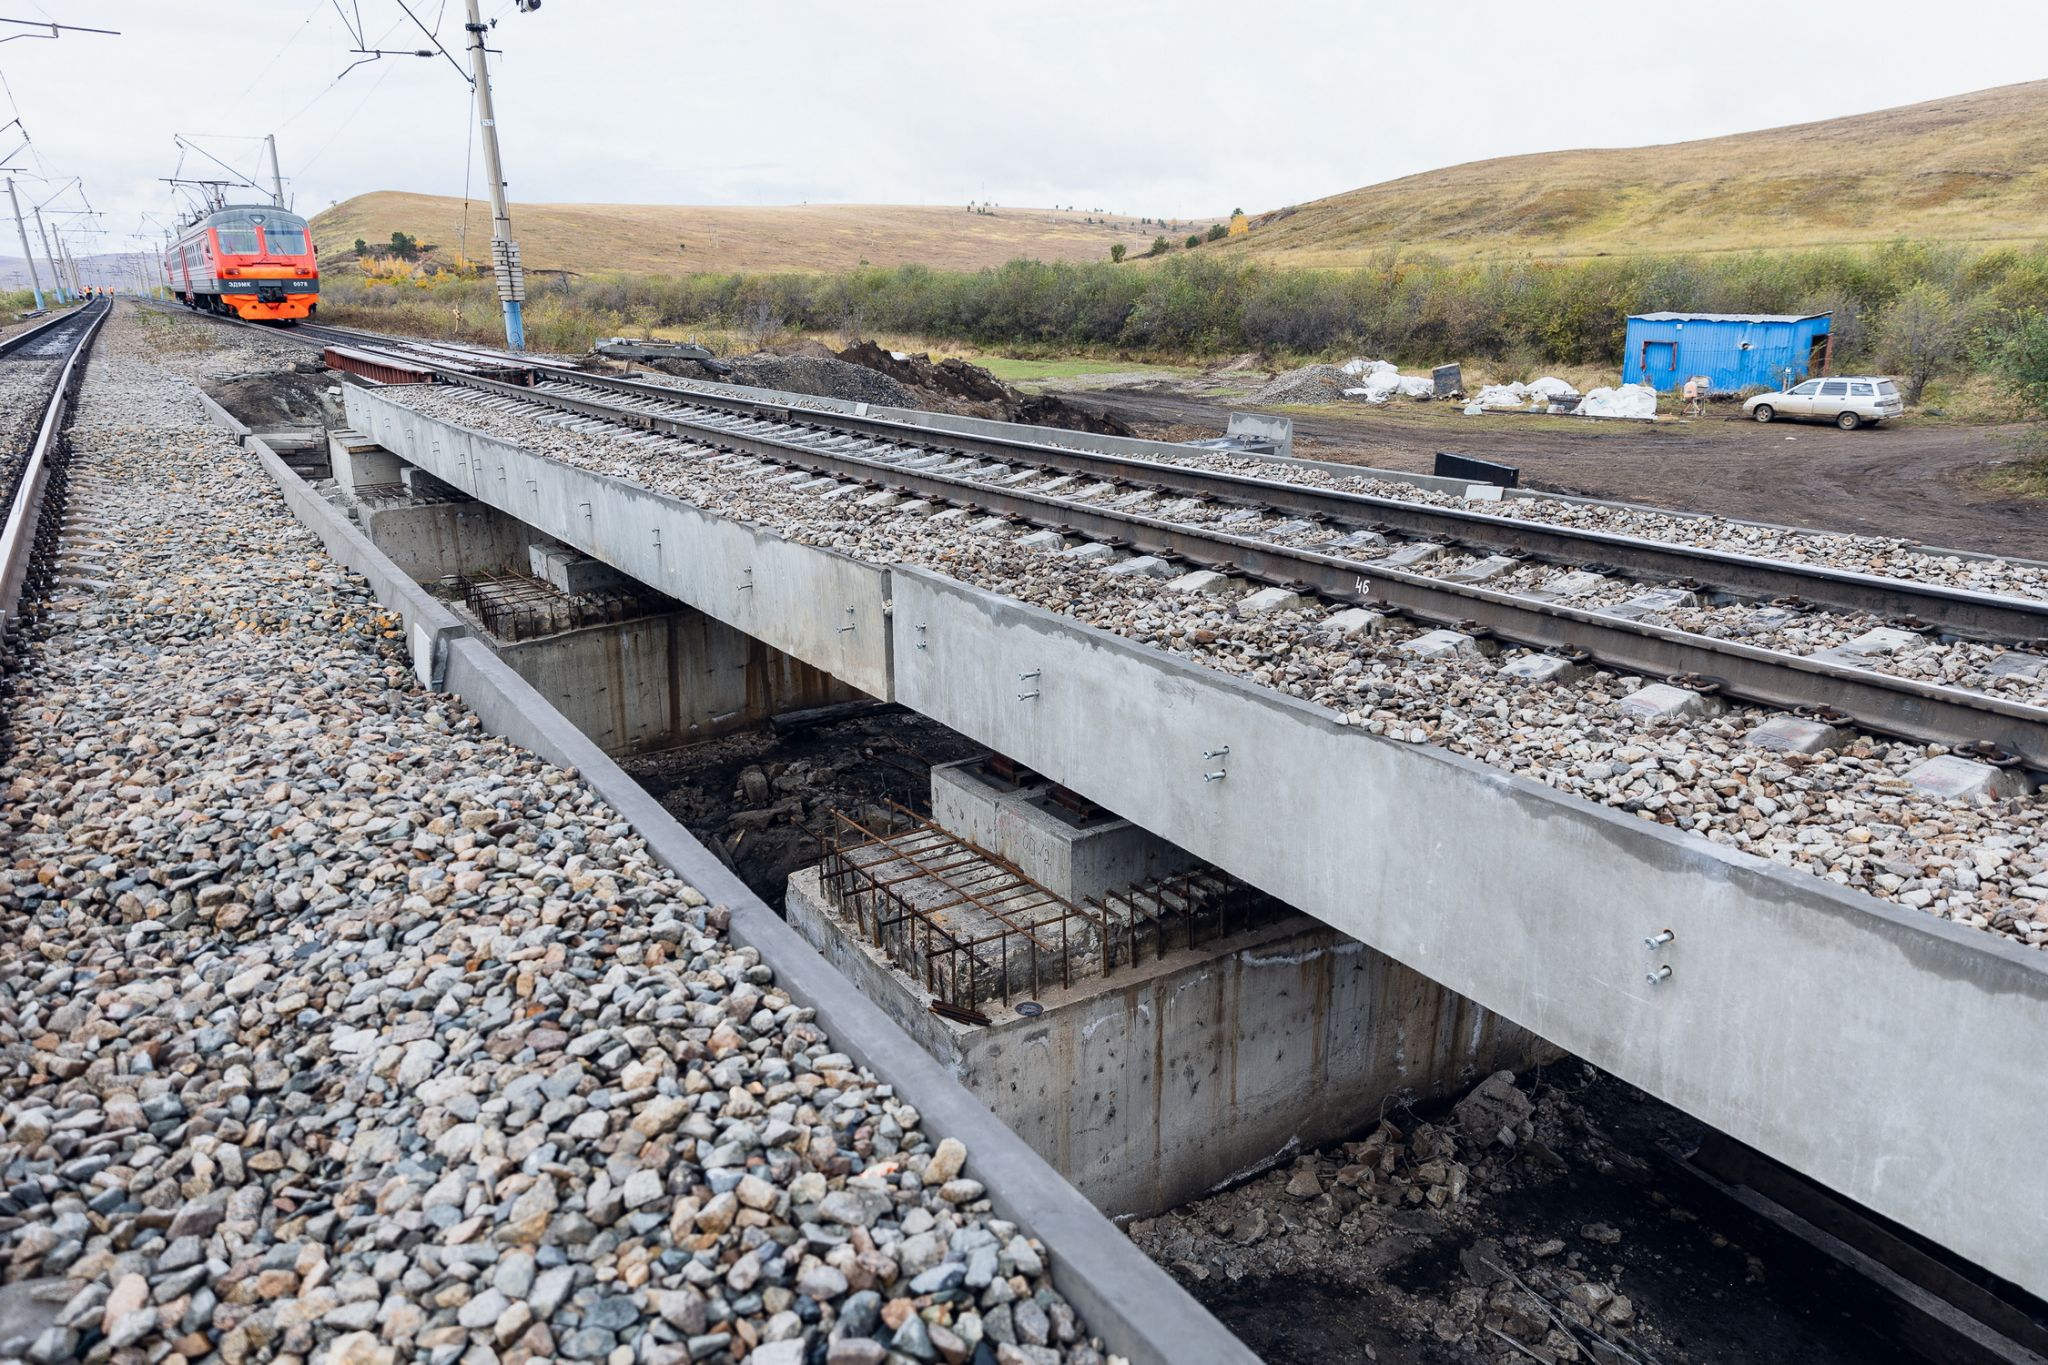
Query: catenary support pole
[[504, 252], [34, 279], [56, 273], [276, 180]]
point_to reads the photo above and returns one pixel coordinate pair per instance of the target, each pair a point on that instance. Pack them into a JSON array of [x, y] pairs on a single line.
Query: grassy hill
[[1969, 168], [673, 239]]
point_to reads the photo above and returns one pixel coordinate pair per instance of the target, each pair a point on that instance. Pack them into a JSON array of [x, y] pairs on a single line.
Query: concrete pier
[[1152, 1085]]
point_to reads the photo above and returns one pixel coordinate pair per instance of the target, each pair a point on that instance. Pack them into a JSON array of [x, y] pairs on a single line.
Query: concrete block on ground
[[1354, 621], [1796, 735], [576, 573], [1291, 528], [882, 497], [362, 463], [991, 525], [1440, 644], [1414, 552], [428, 488], [915, 507], [1576, 583], [1357, 540], [1483, 492], [1542, 668], [840, 492], [1146, 566], [1072, 858], [431, 541], [1484, 570], [1093, 552], [1043, 540], [949, 516], [1949, 777], [1881, 642], [1270, 601], [1662, 701], [965, 800], [2014, 664], [1079, 861], [1652, 603], [1207, 583]]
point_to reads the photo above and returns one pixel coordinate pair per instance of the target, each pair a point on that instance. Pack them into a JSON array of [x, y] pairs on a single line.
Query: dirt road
[[1921, 483]]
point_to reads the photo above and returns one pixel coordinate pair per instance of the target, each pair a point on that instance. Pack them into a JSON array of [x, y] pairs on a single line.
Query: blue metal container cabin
[[1734, 350]]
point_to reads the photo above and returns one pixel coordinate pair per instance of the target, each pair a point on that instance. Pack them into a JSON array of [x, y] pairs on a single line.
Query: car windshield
[[1810, 386], [284, 241], [236, 241]]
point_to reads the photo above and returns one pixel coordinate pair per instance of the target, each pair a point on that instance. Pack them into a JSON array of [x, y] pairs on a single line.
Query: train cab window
[[285, 241], [236, 241]]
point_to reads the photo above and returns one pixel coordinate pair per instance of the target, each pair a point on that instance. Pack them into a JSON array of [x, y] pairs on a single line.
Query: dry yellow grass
[[1971, 168], [684, 239]]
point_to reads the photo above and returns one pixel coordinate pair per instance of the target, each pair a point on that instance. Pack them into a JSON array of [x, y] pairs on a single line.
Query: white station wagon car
[[1849, 402]]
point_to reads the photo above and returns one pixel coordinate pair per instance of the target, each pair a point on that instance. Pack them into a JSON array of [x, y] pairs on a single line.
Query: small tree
[[2019, 357], [1159, 247], [1920, 334], [1217, 232], [405, 246], [1116, 253], [1194, 240], [362, 247]]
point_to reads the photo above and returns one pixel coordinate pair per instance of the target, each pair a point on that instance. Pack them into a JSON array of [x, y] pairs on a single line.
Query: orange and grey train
[[250, 261]]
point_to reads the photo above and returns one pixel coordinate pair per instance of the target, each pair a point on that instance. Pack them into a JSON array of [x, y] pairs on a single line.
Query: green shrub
[[1116, 252], [1906, 307], [1217, 232]]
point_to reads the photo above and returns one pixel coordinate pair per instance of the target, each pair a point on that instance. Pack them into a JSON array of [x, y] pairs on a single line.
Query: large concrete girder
[[1881, 1051], [826, 609], [1885, 1053]]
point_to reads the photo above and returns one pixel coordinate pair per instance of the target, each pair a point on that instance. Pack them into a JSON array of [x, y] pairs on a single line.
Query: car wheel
[[1764, 412], [1848, 421]]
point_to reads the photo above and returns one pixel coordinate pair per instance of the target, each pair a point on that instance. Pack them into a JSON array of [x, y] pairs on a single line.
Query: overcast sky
[[1182, 109]]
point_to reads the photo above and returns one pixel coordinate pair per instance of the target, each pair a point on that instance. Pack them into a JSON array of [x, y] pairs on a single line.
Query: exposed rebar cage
[[971, 928], [516, 606]]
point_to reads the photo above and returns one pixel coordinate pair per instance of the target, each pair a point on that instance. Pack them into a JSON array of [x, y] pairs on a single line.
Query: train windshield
[[237, 228]]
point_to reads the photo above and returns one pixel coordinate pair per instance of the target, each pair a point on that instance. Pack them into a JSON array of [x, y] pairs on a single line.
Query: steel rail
[[1957, 612], [1878, 702], [18, 536], [29, 335]]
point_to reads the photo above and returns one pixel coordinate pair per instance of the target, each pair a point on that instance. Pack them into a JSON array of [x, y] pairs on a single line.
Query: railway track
[[1378, 553], [40, 372]]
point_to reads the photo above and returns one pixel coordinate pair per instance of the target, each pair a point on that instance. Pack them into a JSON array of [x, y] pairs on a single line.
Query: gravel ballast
[[338, 1031]]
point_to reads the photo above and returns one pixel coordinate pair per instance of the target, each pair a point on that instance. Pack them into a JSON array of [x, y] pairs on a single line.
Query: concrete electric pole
[[504, 251], [276, 180], [34, 279], [56, 273]]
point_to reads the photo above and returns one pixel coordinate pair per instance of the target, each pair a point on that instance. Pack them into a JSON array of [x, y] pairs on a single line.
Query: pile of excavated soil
[[971, 391]]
